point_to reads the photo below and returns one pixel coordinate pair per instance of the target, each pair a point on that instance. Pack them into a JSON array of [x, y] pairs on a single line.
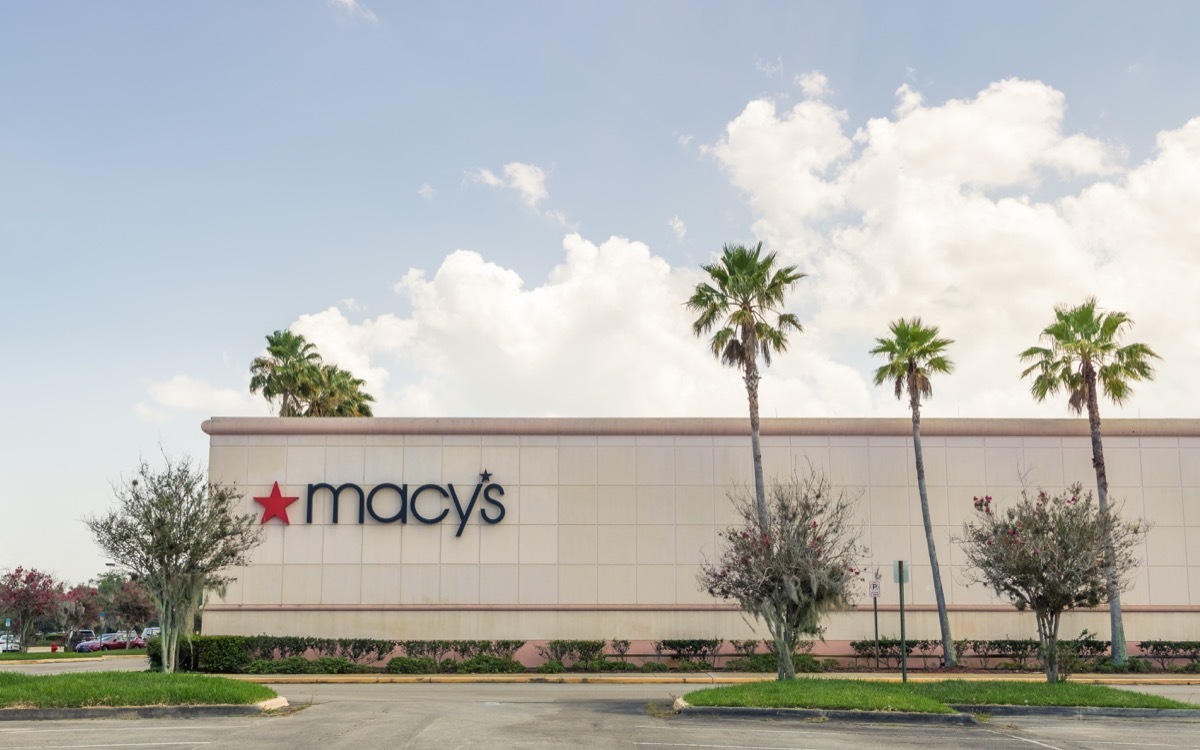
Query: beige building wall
[[607, 521]]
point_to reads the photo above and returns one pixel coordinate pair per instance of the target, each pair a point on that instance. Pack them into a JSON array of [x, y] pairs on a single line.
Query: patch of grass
[[1039, 694], [852, 695], [15, 656], [125, 689]]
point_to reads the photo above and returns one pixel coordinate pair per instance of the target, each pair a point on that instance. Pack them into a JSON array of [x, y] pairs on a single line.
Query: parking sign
[[873, 589]]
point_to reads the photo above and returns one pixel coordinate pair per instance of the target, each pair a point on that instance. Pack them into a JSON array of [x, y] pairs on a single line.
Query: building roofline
[[692, 426]]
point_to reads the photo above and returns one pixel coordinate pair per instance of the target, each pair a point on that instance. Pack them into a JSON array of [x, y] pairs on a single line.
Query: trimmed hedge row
[[232, 654]]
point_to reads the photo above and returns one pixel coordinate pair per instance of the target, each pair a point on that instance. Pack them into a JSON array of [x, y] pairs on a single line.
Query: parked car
[[109, 642], [10, 643], [78, 637], [154, 632]]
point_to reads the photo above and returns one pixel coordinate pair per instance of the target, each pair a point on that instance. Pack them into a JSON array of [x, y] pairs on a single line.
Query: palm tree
[[334, 392], [913, 353], [1083, 350], [745, 289], [290, 366]]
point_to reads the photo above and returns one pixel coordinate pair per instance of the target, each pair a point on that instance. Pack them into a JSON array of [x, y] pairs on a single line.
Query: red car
[[111, 641]]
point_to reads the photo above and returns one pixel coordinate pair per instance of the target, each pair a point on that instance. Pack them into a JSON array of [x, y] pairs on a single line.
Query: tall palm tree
[[1084, 349], [745, 289], [913, 353], [290, 366], [334, 392]]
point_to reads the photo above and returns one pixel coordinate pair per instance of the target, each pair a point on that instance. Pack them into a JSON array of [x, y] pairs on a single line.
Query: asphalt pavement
[[333, 715]]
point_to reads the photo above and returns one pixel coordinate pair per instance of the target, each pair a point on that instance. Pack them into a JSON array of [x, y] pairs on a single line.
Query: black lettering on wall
[[463, 515], [487, 496], [313, 489], [401, 515], [413, 503]]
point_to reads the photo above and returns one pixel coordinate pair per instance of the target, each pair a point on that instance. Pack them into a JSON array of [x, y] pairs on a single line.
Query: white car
[[149, 633], [10, 643]]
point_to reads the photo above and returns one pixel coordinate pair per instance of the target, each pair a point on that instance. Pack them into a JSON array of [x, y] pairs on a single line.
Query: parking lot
[[442, 717]]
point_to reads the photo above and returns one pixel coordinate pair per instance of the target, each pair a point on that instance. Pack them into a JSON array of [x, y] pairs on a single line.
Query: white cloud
[[528, 180], [485, 177], [356, 347], [426, 191], [187, 394], [768, 68], [951, 211], [814, 84], [354, 9], [684, 140], [932, 212], [678, 227]]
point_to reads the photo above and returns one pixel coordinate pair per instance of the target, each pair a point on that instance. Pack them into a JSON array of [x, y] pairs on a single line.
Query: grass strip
[[16, 656], [82, 690], [999, 692], [812, 692]]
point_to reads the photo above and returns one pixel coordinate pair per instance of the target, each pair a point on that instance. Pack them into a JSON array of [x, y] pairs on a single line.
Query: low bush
[[753, 663], [290, 665], [694, 665], [551, 666], [412, 665], [654, 666], [488, 664]]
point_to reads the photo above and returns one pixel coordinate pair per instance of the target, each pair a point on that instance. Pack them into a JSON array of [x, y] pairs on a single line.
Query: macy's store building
[[541, 529]]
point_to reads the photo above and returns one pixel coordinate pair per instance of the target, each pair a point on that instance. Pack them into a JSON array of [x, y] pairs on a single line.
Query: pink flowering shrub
[[1047, 553]]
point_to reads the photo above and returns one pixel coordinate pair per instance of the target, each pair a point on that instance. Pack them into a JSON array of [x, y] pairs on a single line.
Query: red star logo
[[275, 505]]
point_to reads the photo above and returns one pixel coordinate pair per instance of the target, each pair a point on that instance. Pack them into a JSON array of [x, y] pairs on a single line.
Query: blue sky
[[179, 179]]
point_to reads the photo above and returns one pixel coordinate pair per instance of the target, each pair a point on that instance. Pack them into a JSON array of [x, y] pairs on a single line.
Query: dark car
[[79, 636], [106, 642]]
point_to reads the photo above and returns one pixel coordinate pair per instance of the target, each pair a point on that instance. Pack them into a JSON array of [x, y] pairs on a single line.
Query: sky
[[498, 209]]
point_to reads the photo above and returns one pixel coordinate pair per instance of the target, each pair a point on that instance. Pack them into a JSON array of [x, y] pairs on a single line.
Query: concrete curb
[[626, 678], [141, 712], [810, 714], [1080, 712], [69, 659]]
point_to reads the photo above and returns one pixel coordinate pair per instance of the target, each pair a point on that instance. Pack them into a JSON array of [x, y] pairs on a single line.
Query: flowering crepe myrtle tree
[[178, 534], [78, 607], [1049, 553], [27, 596], [791, 570]]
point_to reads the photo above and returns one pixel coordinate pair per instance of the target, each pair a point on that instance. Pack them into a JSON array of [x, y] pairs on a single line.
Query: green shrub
[[1168, 653], [690, 649], [488, 664], [154, 654], [448, 666], [412, 665], [745, 649], [551, 666], [753, 663], [504, 649], [607, 665], [290, 665], [806, 663], [655, 666], [694, 665], [830, 664], [218, 654]]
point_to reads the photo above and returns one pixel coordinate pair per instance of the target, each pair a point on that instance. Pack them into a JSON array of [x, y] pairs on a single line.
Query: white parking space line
[[123, 730], [1026, 739], [124, 744], [740, 730], [721, 747]]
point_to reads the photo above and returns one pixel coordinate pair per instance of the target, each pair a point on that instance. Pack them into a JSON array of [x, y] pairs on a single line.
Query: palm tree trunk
[[949, 656], [760, 494], [1116, 626]]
